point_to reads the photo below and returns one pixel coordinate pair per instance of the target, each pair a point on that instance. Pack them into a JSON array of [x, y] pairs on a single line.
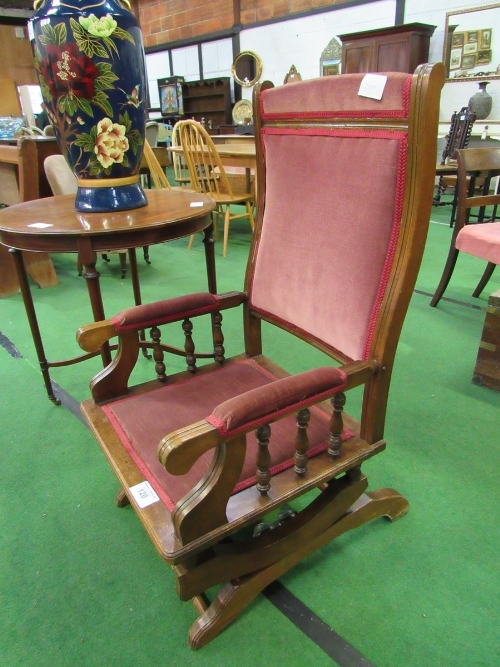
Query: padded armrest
[[259, 406], [179, 450], [90, 337], [162, 312]]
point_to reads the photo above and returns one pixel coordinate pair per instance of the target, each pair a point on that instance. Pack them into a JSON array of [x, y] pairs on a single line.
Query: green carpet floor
[[82, 586]]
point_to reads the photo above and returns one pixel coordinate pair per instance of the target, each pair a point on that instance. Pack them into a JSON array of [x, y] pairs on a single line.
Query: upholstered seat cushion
[[481, 240], [141, 421]]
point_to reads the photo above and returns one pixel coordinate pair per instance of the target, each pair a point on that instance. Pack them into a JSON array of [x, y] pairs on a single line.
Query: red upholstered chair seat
[[481, 241], [141, 421]]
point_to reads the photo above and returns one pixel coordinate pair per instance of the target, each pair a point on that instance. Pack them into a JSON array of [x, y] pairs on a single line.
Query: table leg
[[33, 322], [87, 258], [208, 241], [132, 257]]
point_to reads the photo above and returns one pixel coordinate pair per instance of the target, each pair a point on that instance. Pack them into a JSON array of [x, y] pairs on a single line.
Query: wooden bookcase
[[399, 48], [209, 99]]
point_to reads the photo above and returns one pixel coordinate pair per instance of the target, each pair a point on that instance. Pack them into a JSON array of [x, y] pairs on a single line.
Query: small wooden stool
[[487, 370]]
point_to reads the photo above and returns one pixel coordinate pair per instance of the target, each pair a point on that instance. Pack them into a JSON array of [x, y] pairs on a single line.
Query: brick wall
[[167, 21]]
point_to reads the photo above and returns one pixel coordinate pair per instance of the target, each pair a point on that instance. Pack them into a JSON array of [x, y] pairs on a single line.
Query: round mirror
[[247, 68]]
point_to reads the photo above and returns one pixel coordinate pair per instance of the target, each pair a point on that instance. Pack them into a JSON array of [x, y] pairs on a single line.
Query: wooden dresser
[[399, 48]]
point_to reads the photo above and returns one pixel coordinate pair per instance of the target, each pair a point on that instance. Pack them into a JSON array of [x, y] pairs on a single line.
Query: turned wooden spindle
[[158, 355], [263, 434], [336, 424], [187, 327], [219, 350], [301, 442]]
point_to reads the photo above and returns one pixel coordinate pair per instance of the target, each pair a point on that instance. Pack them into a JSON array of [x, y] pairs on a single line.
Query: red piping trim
[[143, 468], [393, 241], [336, 132]]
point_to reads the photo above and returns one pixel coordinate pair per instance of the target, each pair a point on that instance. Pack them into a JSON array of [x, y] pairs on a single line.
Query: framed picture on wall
[[456, 58], [483, 57], [470, 48], [468, 61], [457, 39], [485, 40], [472, 35]]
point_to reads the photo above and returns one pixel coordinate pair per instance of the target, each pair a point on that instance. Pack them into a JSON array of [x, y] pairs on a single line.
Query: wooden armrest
[[91, 337], [204, 508]]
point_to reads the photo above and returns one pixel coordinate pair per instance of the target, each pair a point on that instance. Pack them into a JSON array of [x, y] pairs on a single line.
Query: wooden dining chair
[[457, 138], [209, 176], [181, 171], [473, 164], [238, 469]]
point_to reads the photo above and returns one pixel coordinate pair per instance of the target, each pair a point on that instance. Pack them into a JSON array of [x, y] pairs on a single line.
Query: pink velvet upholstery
[[481, 241], [142, 421], [316, 296], [325, 95]]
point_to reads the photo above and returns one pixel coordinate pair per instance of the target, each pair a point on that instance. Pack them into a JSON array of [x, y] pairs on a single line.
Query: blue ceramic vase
[[89, 58]]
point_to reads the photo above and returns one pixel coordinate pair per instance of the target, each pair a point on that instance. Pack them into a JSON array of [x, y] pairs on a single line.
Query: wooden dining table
[[53, 225], [242, 155]]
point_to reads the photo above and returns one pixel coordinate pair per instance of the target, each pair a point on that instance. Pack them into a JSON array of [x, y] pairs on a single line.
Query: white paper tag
[[144, 494], [194, 204], [40, 225], [372, 86]]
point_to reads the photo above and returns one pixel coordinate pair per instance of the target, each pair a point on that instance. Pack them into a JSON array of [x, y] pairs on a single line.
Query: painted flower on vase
[[66, 71], [75, 65], [103, 27], [108, 144], [111, 143]]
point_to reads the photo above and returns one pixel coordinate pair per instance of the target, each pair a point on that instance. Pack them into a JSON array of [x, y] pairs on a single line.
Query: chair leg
[[447, 272], [226, 230], [488, 272], [123, 263], [237, 594], [250, 215], [145, 250]]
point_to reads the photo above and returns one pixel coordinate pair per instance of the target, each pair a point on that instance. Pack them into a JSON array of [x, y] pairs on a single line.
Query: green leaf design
[[135, 140], [53, 34], [86, 142], [85, 106], [87, 44], [124, 119], [46, 94], [110, 44], [106, 77], [100, 99], [96, 167], [119, 33], [71, 105]]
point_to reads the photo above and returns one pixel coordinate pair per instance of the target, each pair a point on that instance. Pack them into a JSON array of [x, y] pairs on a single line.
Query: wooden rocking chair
[[332, 265]]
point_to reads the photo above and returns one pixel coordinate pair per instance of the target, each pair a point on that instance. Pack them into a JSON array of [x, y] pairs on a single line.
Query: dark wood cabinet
[[209, 99], [399, 48]]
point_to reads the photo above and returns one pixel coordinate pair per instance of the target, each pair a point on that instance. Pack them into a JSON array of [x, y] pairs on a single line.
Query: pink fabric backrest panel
[[333, 208], [337, 95]]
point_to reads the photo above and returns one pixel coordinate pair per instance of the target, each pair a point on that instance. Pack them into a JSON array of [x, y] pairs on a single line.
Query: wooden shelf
[[209, 99]]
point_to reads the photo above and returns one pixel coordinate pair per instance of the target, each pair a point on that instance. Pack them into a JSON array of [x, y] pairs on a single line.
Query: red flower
[[65, 69]]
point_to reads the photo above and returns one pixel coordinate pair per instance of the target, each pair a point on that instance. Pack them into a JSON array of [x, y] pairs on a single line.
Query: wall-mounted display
[[472, 43], [171, 100], [470, 48]]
